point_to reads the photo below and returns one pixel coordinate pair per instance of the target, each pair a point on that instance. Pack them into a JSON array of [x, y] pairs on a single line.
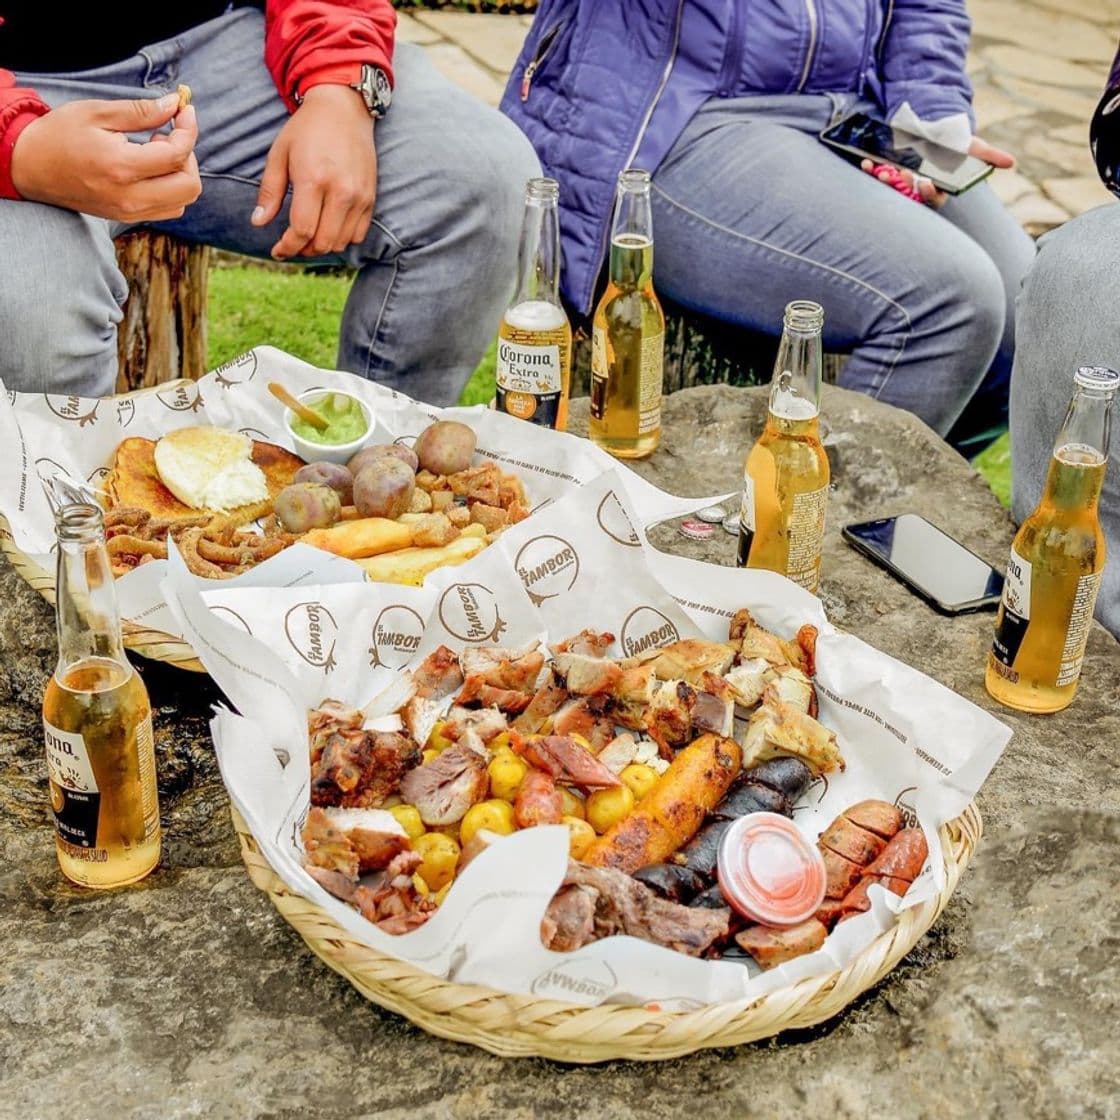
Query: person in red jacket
[[316, 138]]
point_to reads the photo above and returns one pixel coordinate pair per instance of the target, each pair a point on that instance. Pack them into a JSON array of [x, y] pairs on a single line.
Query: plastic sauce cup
[[769, 872]]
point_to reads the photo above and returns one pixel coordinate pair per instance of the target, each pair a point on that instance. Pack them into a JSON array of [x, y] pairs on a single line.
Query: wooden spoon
[[297, 406]]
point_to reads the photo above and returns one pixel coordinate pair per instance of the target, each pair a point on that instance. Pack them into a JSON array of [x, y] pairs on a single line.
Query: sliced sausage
[[903, 857], [851, 841], [841, 874], [880, 817], [770, 946], [538, 801]]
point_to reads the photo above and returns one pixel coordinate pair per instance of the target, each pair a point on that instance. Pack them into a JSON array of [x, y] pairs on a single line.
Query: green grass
[[300, 311]]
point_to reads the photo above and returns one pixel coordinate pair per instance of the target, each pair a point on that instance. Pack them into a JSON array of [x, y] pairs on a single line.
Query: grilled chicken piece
[[335, 882], [669, 718], [438, 674], [586, 676], [565, 760], [390, 900], [633, 694], [771, 947], [545, 703], [749, 680], [445, 788], [359, 769], [328, 847], [420, 716], [689, 659], [475, 689], [597, 902], [322, 722], [374, 834], [619, 752], [512, 669], [485, 723], [777, 728], [590, 643], [754, 641], [792, 687], [588, 716]]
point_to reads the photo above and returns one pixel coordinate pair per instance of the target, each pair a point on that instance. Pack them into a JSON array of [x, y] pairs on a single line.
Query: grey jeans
[[751, 210], [1067, 318], [435, 270]]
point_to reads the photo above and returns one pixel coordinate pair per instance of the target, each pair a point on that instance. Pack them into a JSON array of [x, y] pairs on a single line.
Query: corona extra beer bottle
[[628, 333], [1056, 562], [535, 338], [785, 480], [97, 722]]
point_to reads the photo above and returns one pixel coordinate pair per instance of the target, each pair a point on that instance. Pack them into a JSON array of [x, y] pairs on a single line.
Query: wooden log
[[700, 351], [162, 336]]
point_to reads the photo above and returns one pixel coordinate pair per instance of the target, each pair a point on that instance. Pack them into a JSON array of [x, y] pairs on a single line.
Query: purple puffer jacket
[[603, 84]]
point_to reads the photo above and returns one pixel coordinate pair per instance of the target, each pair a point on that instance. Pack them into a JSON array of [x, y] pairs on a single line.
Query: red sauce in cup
[[769, 872]]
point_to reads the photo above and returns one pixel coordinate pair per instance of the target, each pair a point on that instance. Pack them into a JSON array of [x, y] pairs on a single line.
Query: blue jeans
[[434, 272], [751, 211], [1067, 318]]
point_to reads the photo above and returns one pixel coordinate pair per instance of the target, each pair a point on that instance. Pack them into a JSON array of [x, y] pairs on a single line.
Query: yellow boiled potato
[[437, 741], [500, 743], [606, 807], [422, 888], [441, 894], [580, 836], [506, 772], [639, 778], [408, 817], [428, 755], [440, 855], [572, 804], [495, 816]]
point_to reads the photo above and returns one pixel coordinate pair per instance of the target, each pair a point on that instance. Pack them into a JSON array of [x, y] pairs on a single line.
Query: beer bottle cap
[[696, 530], [769, 872], [714, 515], [731, 524]]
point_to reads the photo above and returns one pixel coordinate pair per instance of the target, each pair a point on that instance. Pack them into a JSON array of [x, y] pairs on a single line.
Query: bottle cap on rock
[[769, 871]]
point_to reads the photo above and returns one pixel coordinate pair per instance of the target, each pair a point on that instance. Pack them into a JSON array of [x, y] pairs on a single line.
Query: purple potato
[[307, 505], [446, 447], [334, 475], [383, 488], [369, 455]]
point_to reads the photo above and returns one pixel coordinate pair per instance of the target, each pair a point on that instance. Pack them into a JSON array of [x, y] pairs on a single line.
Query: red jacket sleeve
[[309, 42], [18, 108]]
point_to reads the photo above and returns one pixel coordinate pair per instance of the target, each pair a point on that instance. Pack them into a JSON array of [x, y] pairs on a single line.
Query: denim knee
[[61, 295]]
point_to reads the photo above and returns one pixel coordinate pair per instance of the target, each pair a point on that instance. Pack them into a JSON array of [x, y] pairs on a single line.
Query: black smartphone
[[950, 577], [864, 136]]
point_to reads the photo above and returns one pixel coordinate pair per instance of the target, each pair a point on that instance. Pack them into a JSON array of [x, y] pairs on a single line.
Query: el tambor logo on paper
[[548, 567], [905, 804], [469, 612], [237, 372], [397, 631], [77, 409], [646, 628], [126, 412], [312, 630], [614, 522], [183, 396], [586, 980], [227, 614]]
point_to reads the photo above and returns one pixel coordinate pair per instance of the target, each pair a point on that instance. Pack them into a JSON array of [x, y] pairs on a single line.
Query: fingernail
[[169, 101], [258, 216]]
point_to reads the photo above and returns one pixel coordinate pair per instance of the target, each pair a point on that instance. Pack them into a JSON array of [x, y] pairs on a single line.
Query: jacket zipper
[[544, 48], [814, 20], [886, 27], [865, 56], [729, 72], [646, 119]]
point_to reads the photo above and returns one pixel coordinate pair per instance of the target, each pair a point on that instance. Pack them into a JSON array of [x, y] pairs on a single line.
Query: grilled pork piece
[[689, 659], [586, 676], [545, 703], [445, 788], [420, 716], [588, 716], [616, 903], [772, 947], [438, 674], [476, 690], [590, 643], [715, 707], [360, 769], [328, 847], [483, 724], [322, 722], [753, 641], [619, 752], [565, 760], [749, 680], [514, 670], [374, 834], [390, 900], [669, 718], [632, 695]]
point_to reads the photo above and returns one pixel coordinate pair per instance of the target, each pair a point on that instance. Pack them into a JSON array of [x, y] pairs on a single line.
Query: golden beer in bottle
[[97, 722], [786, 476], [1056, 561], [535, 338], [628, 333]]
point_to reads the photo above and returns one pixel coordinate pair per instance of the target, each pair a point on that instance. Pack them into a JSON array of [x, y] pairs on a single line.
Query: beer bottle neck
[[795, 390], [631, 257], [1080, 458], [538, 269], [85, 595]]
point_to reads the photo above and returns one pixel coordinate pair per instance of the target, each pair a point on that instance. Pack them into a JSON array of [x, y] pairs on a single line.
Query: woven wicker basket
[[522, 1026]]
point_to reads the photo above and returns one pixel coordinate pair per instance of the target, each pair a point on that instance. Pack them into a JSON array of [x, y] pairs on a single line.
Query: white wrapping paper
[[576, 564], [42, 437]]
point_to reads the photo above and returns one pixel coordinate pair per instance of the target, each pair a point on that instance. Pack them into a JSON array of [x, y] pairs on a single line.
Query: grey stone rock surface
[[188, 996]]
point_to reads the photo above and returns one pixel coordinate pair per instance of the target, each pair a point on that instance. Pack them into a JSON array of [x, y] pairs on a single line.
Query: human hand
[[920, 188], [325, 150], [79, 157]]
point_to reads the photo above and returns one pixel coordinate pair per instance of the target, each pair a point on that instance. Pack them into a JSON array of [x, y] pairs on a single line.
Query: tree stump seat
[[162, 336]]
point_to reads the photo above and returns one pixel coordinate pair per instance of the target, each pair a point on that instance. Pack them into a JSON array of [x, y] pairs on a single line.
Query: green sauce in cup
[[345, 419]]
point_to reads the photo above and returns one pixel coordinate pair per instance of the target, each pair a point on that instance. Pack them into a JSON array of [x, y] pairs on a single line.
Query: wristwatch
[[374, 87]]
